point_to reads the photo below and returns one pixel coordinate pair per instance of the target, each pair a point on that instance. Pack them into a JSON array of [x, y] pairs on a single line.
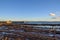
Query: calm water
[[43, 22], [38, 22]]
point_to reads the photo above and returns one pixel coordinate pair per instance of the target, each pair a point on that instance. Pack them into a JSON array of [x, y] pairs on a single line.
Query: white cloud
[[52, 14]]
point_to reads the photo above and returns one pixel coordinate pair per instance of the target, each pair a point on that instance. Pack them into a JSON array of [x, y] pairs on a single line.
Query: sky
[[29, 9]]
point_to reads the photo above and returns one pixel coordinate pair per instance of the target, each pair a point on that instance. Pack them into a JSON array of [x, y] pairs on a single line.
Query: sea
[[57, 28]]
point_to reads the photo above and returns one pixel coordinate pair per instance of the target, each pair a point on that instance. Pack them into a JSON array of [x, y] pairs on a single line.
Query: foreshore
[[22, 31]]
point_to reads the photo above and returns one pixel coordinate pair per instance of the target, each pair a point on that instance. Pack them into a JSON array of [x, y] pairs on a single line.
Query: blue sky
[[28, 9]]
